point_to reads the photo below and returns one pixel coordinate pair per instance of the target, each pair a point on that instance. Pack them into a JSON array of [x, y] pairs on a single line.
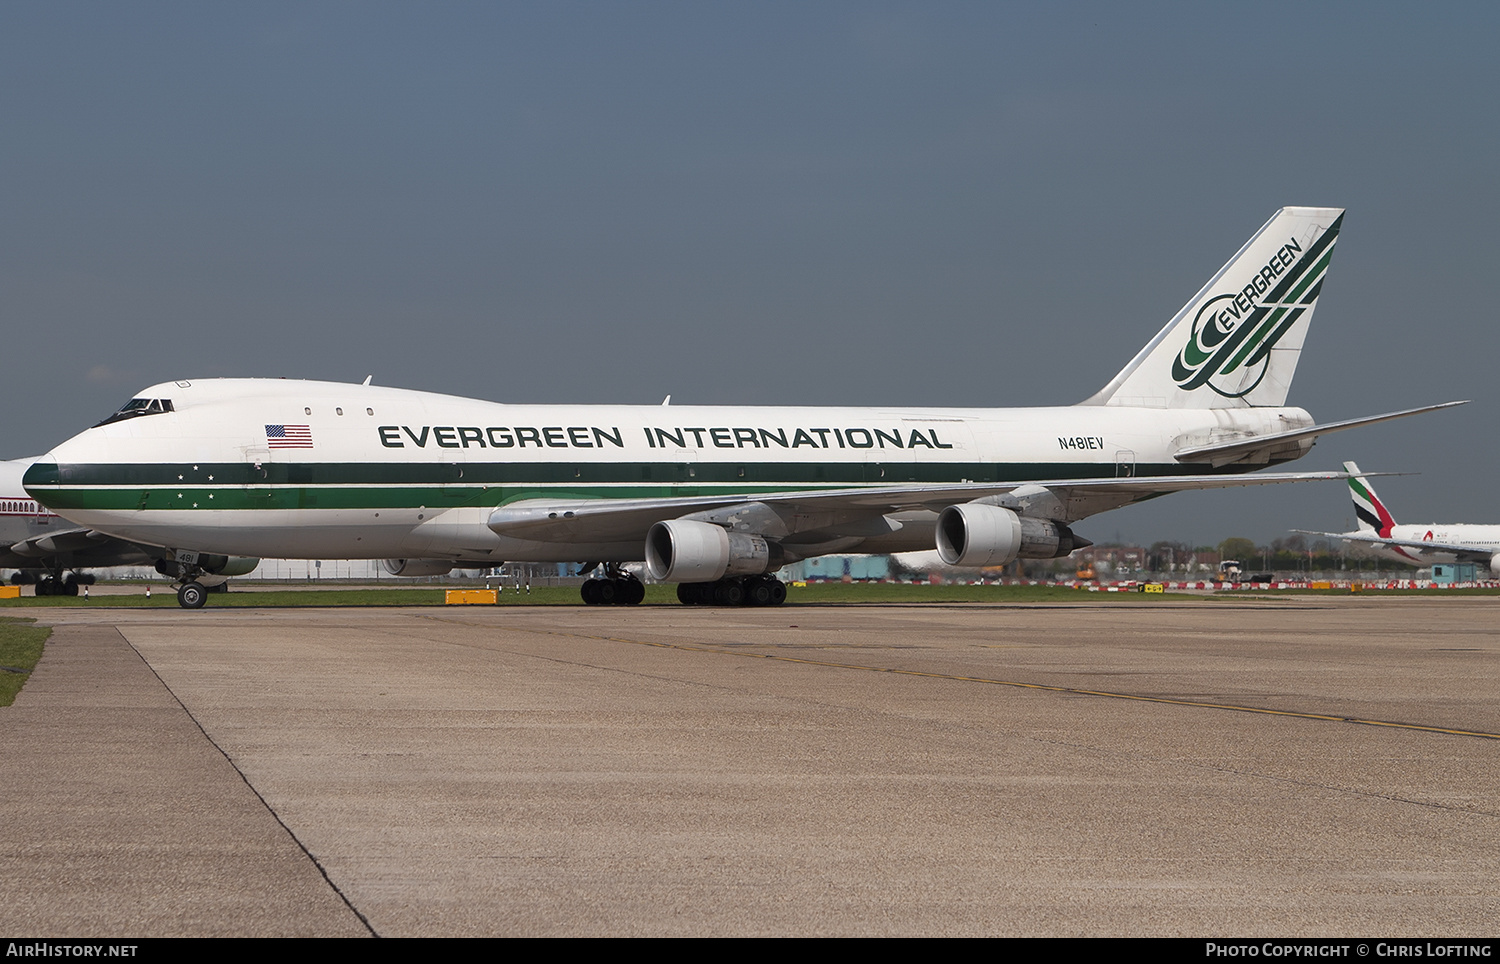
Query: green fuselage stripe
[[357, 485]]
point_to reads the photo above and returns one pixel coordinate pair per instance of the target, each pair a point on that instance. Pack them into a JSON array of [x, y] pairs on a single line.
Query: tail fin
[[1236, 343], [1371, 512]]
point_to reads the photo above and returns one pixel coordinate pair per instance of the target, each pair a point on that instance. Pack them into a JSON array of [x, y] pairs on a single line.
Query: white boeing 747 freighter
[[715, 499]]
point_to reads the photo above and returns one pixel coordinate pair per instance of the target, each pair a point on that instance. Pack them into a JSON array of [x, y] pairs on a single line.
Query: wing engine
[[681, 550], [976, 534]]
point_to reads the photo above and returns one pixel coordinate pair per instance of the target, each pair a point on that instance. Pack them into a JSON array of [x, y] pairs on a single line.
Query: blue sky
[[958, 204]]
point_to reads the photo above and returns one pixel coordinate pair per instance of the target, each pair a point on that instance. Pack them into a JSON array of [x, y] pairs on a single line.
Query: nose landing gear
[[185, 571], [191, 595]]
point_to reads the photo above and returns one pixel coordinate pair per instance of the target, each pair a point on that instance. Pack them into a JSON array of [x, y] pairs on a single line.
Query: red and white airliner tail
[[1421, 543]]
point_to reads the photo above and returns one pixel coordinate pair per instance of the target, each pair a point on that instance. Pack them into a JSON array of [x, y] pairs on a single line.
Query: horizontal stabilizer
[[1225, 452]]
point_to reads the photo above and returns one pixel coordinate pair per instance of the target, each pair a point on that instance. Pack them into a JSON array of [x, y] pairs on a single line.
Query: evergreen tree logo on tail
[[1229, 346]]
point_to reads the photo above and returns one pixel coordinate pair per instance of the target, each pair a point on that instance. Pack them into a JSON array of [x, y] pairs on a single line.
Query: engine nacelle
[[975, 535], [229, 565], [209, 562], [683, 551], [1495, 566], [418, 567]]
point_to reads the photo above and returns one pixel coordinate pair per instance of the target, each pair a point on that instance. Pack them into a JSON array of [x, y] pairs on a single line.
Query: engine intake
[[683, 551], [975, 535]]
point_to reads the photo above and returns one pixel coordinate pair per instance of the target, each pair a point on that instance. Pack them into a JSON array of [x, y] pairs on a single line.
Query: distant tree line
[[1296, 552]]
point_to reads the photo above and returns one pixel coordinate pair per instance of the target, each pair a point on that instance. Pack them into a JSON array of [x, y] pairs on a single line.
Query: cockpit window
[[137, 407]]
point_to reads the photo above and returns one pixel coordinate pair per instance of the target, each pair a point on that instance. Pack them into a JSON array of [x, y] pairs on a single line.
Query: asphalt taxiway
[[1286, 767]]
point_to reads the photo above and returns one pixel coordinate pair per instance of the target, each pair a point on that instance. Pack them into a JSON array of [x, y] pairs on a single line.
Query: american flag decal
[[289, 436]]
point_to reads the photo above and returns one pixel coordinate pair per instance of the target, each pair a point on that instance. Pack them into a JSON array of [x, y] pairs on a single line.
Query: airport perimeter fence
[[1349, 583], [334, 572]]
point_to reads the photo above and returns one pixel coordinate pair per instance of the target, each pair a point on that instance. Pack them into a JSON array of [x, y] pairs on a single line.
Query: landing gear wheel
[[191, 595], [764, 590], [734, 591], [624, 590], [632, 592], [69, 587]]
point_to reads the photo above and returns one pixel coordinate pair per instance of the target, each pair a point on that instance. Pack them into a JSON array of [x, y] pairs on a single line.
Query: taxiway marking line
[[1073, 690]]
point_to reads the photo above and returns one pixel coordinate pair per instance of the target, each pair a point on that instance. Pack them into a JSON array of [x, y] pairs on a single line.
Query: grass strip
[[20, 648]]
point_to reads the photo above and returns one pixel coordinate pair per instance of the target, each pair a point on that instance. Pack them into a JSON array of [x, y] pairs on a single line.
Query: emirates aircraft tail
[[1371, 512]]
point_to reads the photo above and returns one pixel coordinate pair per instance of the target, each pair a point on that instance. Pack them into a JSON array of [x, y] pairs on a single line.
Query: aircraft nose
[[41, 474]]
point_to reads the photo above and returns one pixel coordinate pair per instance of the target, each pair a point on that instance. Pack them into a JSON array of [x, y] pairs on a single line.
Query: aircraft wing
[[65, 540], [1464, 553], [79, 546], [856, 511], [1222, 453]]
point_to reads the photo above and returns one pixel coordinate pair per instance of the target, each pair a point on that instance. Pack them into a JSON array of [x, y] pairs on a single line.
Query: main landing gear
[[617, 588], [763, 590], [60, 585]]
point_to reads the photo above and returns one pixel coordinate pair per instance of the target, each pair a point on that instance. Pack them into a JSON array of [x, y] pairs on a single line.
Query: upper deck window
[[137, 407]]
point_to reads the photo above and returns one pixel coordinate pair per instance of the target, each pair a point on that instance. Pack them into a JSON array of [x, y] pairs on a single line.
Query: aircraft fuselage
[[327, 470]]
